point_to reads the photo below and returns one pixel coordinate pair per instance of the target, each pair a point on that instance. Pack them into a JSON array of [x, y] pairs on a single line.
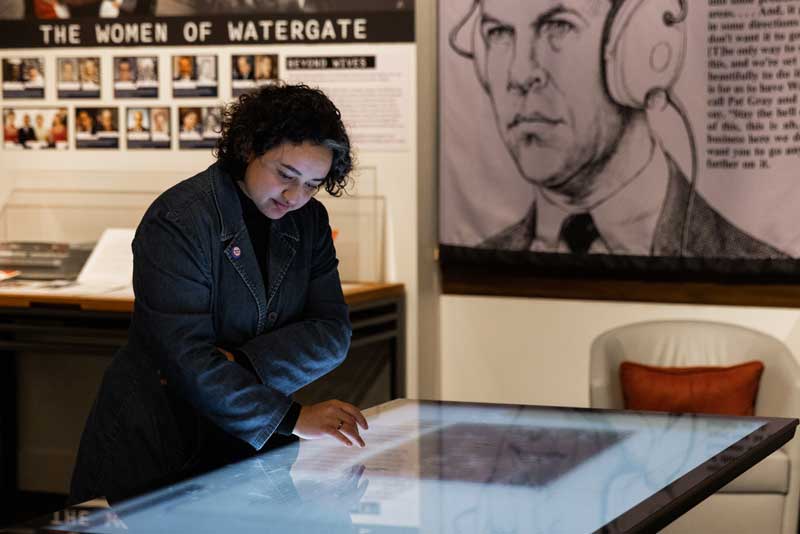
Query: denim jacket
[[198, 286]]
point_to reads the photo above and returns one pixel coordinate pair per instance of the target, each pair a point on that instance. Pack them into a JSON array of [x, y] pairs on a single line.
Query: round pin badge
[[237, 252]]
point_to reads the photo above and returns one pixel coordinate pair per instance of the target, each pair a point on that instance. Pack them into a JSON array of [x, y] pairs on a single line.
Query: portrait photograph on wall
[[249, 71], [199, 127], [78, 77], [97, 127], [23, 77], [136, 77], [589, 142], [147, 128], [35, 128], [194, 76], [267, 70], [243, 76]]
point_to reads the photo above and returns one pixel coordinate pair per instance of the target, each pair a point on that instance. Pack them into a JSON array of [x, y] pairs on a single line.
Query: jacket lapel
[[238, 248], [284, 239], [241, 255]]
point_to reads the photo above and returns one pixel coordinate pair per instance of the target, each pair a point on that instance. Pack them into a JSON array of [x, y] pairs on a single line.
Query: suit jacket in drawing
[[710, 234]]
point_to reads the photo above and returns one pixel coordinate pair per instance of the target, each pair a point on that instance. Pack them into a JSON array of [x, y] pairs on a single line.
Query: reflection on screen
[[448, 468], [520, 455]]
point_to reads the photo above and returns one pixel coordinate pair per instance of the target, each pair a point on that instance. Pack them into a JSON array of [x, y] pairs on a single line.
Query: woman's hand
[[331, 418]]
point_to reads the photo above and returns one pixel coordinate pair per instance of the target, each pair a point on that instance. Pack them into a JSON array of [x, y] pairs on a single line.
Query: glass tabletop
[[465, 468]]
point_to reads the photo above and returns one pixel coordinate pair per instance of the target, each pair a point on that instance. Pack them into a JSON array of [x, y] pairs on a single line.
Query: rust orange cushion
[[715, 390]]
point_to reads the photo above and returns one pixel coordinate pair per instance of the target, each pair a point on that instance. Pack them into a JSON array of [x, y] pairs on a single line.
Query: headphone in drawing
[[643, 51], [644, 44], [644, 48]]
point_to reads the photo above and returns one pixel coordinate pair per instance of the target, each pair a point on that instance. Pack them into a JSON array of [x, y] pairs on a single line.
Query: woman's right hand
[[334, 418]]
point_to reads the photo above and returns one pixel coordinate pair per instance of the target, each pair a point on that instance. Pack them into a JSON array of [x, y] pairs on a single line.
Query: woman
[[67, 70], [58, 131], [10, 132], [42, 132], [238, 305], [90, 72], [85, 122]]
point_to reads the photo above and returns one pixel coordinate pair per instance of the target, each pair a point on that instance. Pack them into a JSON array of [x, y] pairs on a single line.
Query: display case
[[79, 217]]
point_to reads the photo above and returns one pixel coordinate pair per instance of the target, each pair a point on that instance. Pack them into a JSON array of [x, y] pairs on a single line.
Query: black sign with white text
[[330, 62], [178, 31]]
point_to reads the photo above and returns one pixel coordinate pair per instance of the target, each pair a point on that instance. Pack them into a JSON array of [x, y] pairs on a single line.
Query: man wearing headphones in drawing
[[571, 83]]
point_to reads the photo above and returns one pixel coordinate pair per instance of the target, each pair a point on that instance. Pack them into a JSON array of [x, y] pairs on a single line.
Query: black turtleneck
[[258, 226]]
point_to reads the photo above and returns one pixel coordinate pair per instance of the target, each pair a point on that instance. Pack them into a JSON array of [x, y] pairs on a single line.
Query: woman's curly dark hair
[[261, 120]]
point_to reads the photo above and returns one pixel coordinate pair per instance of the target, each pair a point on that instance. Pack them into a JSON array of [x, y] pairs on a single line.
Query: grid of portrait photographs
[[199, 127], [136, 77], [194, 76], [78, 77], [23, 77], [137, 125], [249, 72], [35, 128], [148, 128], [96, 127]]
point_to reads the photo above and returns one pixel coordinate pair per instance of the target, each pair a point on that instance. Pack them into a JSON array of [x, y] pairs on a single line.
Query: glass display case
[[79, 217]]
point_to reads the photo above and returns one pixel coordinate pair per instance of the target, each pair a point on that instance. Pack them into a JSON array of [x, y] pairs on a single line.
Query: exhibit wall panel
[[378, 105]]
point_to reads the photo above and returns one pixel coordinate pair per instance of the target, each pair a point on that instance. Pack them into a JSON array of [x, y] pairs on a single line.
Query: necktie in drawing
[[579, 232]]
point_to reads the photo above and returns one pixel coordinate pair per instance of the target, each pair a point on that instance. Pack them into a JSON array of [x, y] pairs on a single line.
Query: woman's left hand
[[333, 418]]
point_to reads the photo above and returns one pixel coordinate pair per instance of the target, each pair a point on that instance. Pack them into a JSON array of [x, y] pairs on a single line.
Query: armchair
[[764, 499]]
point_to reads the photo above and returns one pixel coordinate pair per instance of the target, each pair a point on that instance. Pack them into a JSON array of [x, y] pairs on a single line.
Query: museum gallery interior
[[399, 266]]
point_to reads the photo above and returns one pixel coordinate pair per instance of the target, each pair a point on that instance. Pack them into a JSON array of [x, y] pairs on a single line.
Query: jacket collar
[[229, 210], [283, 244]]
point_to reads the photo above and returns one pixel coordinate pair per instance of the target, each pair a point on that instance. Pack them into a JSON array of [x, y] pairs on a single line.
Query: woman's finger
[[355, 413], [351, 430], [341, 437], [345, 417]]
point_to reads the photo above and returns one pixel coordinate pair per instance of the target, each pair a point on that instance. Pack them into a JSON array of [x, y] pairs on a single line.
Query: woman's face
[[67, 72], [264, 67], [85, 121], [159, 120], [284, 178], [106, 120], [243, 65], [190, 121]]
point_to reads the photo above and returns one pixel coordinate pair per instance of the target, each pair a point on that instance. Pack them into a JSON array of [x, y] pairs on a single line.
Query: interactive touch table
[[465, 468]]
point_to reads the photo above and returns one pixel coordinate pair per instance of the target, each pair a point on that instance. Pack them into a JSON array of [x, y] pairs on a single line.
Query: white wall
[[536, 351]]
